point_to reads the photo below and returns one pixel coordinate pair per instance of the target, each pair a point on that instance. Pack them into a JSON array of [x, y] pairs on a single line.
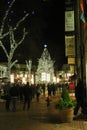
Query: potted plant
[[65, 106]]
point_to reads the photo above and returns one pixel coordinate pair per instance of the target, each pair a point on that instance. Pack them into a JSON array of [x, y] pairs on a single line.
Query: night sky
[[45, 25]]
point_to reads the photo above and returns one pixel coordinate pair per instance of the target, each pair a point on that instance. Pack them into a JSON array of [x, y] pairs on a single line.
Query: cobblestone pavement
[[38, 117]]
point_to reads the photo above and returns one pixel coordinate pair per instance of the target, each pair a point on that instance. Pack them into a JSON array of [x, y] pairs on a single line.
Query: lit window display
[[12, 78], [43, 76], [54, 79], [23, 80], [48, 77], [32, 79]]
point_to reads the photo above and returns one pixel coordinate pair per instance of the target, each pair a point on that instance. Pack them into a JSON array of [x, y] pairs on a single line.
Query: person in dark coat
[[8, 97], [38, 92], [14, 92], [27, 93], [79, 94]]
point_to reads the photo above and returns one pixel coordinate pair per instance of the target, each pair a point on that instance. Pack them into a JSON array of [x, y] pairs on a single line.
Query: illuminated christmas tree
[[45, 70]]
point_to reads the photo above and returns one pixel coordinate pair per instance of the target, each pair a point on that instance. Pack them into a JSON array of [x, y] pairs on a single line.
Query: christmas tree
[[45, 69]]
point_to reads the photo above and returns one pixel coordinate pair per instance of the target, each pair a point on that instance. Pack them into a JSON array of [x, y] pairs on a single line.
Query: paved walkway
[[38, 117]]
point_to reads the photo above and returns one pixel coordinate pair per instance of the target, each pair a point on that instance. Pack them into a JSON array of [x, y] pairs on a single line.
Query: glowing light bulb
[[45, 45]]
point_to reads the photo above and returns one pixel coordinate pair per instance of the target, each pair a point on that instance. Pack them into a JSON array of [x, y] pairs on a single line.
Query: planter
[[66, 115]]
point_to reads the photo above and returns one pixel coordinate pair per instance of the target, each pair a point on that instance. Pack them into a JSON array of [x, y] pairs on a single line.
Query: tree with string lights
[[11, 34], [45, 69]]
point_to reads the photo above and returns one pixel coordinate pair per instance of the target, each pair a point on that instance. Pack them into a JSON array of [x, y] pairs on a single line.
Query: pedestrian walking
[[38, 92], [27, 93], [14, 92], [7, 97], [7, 102]]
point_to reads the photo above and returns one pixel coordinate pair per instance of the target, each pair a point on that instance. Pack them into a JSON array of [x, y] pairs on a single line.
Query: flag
[[85, 25], [82, 14], [82, 5], [83, 17]]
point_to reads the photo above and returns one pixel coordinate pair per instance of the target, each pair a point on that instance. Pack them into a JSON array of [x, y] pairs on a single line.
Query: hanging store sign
[[71, 60], [72, 69], [69, 21], [70, 45]]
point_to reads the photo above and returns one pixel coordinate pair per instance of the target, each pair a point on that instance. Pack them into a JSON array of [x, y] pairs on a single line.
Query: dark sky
[[45, 25]]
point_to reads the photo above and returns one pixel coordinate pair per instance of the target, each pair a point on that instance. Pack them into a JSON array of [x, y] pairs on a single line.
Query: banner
[[71, 60], [70, 46], [69, 21]]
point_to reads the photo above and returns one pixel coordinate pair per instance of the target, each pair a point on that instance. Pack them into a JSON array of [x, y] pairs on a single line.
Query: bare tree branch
[[4, 19], [3, 47], [13, 63], [2, 36], [24, 34], [13, 43], [16, 26]]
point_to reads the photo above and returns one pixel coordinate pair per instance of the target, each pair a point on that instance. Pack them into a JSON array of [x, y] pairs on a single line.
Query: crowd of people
[[26, 92], [14, 92]]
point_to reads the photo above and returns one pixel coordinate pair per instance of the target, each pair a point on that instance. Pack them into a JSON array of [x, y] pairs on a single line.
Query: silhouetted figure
[[27, 92], [14, 92], [79, 94], [8, 97], [49, 89], [38, 92]]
